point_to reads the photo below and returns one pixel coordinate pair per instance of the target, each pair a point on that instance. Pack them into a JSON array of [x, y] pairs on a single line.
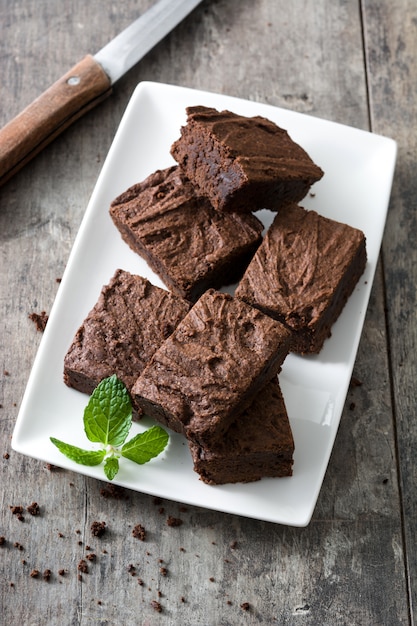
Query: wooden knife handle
[[84, 86]]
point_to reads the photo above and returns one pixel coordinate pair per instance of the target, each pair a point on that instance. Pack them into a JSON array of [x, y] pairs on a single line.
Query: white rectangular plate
[[355, 189]]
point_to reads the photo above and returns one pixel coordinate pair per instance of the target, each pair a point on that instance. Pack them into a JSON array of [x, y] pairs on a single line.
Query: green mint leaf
[[83, 457], [111, 467], [108, 414], [145, 446]]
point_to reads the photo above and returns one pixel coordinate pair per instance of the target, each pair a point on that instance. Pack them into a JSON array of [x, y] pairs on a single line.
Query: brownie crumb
[[16, 510], [61, 572], [114, 491], [245, 606], [34, 573], [355, 382], [6, 456], [91, 557], [33, 508], [47, 575], [163, 571], [352, 406], [233, 545], [2, 541], [40, 320], [18, 545], [140, 582], [156, 605], [82, 566], [182, 599], [139, 532], [98, 528], [174, 521], [157, 501], [131, 569]]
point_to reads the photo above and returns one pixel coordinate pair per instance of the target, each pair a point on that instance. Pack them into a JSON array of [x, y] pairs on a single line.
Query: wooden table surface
[[356, 563]]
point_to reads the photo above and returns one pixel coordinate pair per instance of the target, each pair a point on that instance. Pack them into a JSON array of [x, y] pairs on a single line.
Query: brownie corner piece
[[183, 239], [243, 164], [258, 444], [130, 319], [208, 371], [303, 274]]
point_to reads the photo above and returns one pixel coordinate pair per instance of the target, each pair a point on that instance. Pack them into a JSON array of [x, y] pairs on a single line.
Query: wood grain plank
[[391, 32]]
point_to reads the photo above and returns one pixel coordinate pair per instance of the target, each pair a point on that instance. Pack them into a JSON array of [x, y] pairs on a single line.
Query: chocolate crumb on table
[[40, 320], [174, 521], [47, 575], [16, 509], [82, 566], [98, 529], [33, 509], [156, 605], [114, 491], [139, 532]]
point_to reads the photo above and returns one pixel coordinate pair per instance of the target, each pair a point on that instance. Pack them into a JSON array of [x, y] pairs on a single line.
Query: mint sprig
[[107, 420]]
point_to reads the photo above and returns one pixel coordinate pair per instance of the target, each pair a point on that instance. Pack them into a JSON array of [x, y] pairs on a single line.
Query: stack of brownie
[[202, 362]]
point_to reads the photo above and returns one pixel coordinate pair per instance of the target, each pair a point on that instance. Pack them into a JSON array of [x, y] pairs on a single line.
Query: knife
[[89, 82]]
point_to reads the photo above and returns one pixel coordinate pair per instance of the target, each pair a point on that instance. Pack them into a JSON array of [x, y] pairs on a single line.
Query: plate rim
[[149, 88]]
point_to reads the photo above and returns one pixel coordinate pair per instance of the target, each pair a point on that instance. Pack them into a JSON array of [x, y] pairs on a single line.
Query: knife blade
[[87, 84]]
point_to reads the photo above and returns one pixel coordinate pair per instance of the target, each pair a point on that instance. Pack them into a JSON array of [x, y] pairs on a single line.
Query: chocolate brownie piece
[[208, 371], [259, 443], [303, 273], [243, 164], [184, 240], [128, 323]]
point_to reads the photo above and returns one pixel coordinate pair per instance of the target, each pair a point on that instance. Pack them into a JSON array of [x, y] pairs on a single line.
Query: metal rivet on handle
[[73, 80]]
